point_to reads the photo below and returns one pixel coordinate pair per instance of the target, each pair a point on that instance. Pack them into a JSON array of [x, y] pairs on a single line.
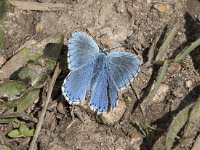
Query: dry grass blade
[[193, 126], [176, 125], [166, 43], [179, 58], [157, 85]]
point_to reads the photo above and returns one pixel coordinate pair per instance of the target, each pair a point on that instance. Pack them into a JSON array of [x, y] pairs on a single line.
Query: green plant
[[4, 5], [22, 131], [179, 58], [184, 116]]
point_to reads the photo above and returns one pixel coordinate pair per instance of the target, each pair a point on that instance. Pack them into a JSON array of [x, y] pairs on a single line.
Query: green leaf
[[24, 102], [52, 50], [33, 51], [24, 130], [29, 133], [178, 122], [27, 100], [12, 89], [48, 63], [15, 134], [17, 61], [33, 74], [4, 5]]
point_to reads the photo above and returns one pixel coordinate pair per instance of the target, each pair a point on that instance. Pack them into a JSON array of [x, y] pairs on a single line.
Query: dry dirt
[[129, 25]]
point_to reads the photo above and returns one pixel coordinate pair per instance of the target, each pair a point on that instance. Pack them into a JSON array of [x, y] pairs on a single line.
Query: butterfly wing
[[77, 83], [113, 93], [122, 68], [82, 49], [99, 94]]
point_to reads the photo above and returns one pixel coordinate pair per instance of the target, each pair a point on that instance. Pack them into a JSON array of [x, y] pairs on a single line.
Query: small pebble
[[189, 84], [60, 107], [160, 7], [39, 27], [136, 141], [114, 115]]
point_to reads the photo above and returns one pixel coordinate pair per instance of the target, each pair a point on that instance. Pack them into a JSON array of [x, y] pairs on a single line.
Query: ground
[[125, 25]]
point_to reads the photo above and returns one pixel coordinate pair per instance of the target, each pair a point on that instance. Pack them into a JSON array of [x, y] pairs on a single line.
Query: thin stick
[[23, 5], [3, 139], [152, 49], [41, 118], [151, 54]]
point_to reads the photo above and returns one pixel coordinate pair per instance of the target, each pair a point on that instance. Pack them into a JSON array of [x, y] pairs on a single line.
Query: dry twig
[[23, 5], [41, 118]]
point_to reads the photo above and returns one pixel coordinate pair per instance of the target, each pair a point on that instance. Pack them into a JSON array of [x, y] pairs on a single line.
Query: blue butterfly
[[97, 73]]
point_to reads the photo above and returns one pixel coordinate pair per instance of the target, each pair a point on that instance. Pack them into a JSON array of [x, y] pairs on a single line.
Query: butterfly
[[97, 73]]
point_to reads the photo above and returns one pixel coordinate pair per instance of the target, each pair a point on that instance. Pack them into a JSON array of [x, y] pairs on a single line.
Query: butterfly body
[[96, 72], [100, 64]]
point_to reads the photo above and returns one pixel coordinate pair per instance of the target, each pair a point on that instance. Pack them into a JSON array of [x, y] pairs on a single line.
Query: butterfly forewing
[[82, 49], [77, 83]]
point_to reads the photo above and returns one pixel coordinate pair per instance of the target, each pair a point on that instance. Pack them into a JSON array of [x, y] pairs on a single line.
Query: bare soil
[[125, 25]]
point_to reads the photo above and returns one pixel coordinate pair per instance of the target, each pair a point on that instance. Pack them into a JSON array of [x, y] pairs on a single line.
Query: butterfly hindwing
[[122, 68], [104, 94], [113, 93], [99, 93], [77, 83], [82, 48]]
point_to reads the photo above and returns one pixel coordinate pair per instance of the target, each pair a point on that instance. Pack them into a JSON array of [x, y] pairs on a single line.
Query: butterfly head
[[103, 50]]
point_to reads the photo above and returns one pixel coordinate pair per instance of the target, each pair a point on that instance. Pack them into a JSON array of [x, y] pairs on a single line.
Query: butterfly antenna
[[115, 47]]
